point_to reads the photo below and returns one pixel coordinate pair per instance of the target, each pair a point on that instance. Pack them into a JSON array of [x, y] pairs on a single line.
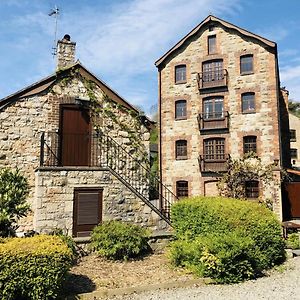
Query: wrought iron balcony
[[213, 121], [213, 162], [212, 79]]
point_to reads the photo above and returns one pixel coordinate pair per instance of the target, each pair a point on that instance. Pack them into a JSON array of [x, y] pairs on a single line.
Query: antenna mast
[[54, 12]]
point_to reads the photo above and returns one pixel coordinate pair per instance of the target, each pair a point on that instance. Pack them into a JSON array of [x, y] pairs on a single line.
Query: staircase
[[126, 166]]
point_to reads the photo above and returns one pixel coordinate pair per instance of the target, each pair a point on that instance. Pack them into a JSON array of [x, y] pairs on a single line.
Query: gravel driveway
[[283, 283]]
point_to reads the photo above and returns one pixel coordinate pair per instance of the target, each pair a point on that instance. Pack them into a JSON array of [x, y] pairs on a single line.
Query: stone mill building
[[84, 150], [219, 97]]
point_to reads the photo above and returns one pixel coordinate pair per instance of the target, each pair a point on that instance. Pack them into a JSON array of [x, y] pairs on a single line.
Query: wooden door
[[75, 136], [293, 190], [87, 211]]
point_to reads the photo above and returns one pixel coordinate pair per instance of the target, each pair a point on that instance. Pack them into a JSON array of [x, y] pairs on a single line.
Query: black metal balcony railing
[[211, 79], [215, 120], [103, 151], [213, 163]]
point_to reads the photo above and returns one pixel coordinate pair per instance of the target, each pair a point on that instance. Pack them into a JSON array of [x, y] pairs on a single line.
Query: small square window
[[246, 64], [182, 189], [293, 135], [181, 149], [180, 74], [248, 103], [252, 189], [212, 45], [180, 109], [294, 153]]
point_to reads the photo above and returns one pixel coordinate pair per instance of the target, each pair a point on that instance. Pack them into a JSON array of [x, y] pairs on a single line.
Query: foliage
[[14, 190], [294, 107], [33, 268], [240, 238], [293, 241], [247, 168], [119, 241], [154, 135]]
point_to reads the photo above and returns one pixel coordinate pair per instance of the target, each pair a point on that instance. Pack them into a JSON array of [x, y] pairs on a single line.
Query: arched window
[[182, 188], [250, 144], [248, 102], [181, 149], [246, 64], [213, 107], [214, 149], [180, 73], [180, 109]]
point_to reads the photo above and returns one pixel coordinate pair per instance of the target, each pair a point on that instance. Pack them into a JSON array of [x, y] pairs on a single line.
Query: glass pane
[[247, 64], [180, 109], [180, 73], [211, 44]]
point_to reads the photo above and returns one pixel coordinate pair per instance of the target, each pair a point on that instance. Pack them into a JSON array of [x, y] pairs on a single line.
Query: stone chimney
[[65, 52]]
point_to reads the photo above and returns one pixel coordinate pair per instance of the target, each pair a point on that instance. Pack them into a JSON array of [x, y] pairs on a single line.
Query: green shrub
[[117, 240], [14, 189], [293, 241], [33, 267], [244, 238]]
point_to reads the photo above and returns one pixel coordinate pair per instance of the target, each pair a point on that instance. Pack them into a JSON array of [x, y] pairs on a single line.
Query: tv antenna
[[54, 12]]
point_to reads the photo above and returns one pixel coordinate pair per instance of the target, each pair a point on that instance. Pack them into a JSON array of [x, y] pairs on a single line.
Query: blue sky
[[119, 41]]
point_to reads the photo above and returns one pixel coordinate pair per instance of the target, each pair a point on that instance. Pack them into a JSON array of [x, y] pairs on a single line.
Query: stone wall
[[263, 123], [295, 125], [55, 199]]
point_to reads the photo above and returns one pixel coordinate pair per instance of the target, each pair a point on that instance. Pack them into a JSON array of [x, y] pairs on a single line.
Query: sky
[[119, 40]]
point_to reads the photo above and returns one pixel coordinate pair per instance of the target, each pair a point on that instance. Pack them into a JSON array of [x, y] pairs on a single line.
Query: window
[[252, 189], [292, 135], [250, 144], [180, 109], [246, 62], [214, 149], [213, 108], [294, 153], [182, 189], [212, 71], [180, 73], [212, 44], [248, 102], [181, 149]]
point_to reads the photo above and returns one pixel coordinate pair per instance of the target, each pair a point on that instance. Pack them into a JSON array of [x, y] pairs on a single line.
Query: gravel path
[[283, 283]]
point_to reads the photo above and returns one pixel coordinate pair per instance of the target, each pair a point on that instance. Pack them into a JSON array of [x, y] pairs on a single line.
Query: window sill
[[181, 158], [247, 73], [247, 112], [180, 119], [181, 82]]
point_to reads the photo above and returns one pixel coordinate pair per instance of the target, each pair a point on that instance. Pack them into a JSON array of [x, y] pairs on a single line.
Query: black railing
[[214, 120], [131, 170], [215, 163], [211, 79]]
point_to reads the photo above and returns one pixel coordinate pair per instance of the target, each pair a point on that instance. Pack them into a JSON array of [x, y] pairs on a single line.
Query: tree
[[14, 190], [239, 171]]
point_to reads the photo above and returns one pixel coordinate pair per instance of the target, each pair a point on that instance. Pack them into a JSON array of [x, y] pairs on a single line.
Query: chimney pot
[[65, 52]]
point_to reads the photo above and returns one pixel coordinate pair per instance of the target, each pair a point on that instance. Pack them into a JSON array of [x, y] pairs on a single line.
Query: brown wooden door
[[293, 190], [87, 211], [75, 136]]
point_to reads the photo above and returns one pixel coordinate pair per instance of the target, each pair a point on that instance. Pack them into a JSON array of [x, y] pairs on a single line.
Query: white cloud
[[290, 79]]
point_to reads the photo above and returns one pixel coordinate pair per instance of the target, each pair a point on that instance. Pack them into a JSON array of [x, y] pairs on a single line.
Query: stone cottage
[[83, 148], [220, 98]]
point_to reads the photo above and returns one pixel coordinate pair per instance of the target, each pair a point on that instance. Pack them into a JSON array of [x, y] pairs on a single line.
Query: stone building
[[294, 122], [83, 148], [219, 97]]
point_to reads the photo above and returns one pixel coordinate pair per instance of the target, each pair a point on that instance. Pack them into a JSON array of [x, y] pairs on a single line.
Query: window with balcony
[[250, 144], [248, 102], [246, 64], [181, 149], [180, 74], [213, 74], [212, 44], [182, 188], [252, 189], [213, 108], [294, 153], [180, 110], [214, 149], [293, 135]]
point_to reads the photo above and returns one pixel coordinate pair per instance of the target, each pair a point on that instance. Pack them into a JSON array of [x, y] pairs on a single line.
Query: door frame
[[75, 205]]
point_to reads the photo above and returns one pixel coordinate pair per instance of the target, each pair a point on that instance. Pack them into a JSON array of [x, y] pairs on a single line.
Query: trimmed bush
[[117, 240], [33, 268], [293, 241], [230, 240]]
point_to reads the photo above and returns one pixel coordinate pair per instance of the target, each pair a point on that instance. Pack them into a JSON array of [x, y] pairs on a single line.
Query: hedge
[[227, 239], [33, 267], [119, 241]]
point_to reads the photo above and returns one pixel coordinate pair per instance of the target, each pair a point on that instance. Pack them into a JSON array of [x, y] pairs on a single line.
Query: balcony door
[[212, 70], [75, 136], [213, 108]]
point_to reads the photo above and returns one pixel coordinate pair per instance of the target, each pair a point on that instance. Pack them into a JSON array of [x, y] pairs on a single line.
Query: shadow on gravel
[[77, 284]]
